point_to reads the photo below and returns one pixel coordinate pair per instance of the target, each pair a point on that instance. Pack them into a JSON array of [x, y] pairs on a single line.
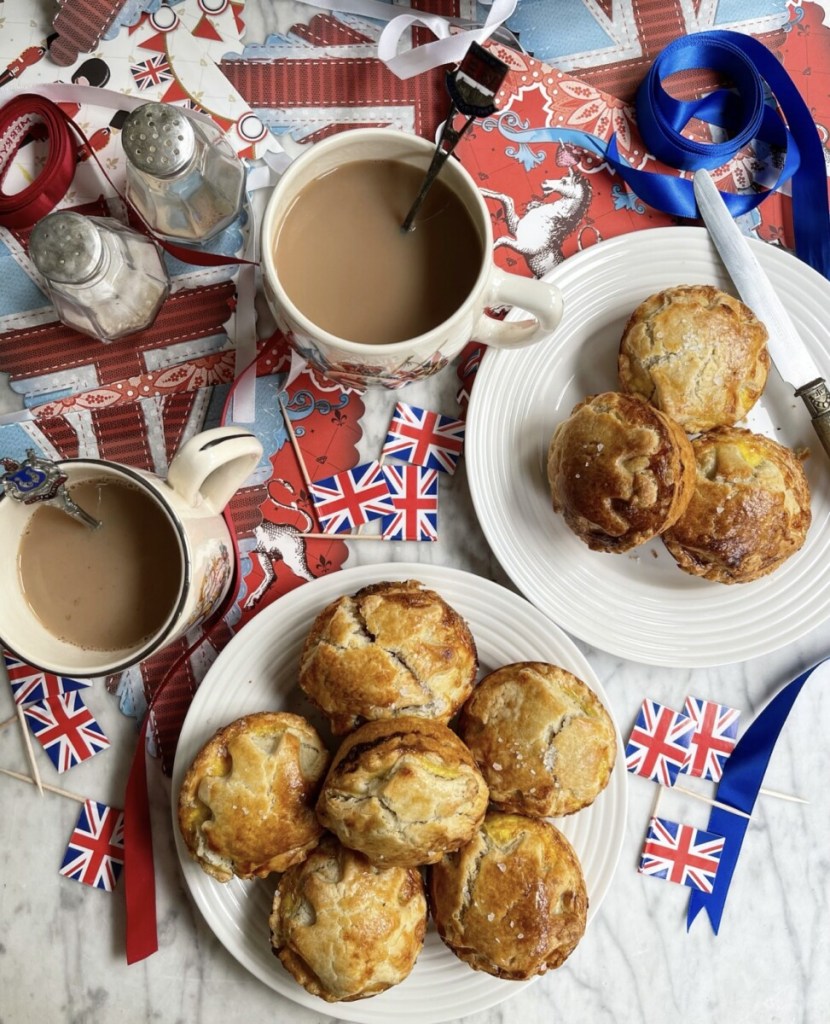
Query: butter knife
[[787, 350]]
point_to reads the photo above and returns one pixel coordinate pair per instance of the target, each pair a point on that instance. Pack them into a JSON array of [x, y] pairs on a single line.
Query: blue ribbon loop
[[743, 113], [742, 778]]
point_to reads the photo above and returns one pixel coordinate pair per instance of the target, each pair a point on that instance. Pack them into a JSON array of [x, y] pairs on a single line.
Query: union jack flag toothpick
[[681, 853], [66, 729], [424, 438], [352, 498], [95, 854], [32, 684], [713, 739], [658, 746], [414, 492]]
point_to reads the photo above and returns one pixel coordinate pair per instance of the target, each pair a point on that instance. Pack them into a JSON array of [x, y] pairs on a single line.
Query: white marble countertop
[[62, 944]]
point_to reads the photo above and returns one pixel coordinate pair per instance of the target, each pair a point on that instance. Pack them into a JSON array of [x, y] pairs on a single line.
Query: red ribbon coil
[[17, 118]]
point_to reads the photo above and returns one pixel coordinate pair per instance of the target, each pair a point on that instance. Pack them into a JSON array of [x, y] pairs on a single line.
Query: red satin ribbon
[[139, 871], [17, 118], [24, 209]]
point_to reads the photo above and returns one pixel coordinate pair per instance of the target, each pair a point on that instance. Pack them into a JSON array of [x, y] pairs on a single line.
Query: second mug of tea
[[86, 602], [367, 303]]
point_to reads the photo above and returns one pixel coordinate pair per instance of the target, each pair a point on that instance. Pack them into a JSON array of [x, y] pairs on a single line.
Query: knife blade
[[787, 350]]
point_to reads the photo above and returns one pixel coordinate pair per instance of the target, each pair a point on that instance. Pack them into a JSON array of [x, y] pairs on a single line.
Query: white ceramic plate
[[258, 671], [639, 605]]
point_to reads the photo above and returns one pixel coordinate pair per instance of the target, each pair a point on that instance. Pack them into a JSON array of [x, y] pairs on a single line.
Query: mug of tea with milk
[[368, 303], [81, 599]]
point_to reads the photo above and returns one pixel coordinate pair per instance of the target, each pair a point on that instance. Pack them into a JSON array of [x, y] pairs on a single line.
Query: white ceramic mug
[[202, 478], [398, 363]]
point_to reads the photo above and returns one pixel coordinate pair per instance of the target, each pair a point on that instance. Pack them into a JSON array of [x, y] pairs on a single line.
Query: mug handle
[[211, 466], [539, 298]]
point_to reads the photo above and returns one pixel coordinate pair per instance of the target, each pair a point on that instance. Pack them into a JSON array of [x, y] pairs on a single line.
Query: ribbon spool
[[17, 119], [745, 114]]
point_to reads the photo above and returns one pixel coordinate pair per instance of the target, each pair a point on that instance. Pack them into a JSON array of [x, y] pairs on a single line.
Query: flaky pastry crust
[[344, 928], [620, 471], [403, 791], [246, 805], [697, 353], [512, 902], [750, 510], [390, 649], [542, 739]]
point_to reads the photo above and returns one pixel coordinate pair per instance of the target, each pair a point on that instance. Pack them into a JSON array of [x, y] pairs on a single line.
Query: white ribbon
[[448, 48]]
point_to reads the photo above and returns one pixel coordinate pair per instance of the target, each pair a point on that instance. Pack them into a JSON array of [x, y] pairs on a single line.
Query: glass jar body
[[196, 202], [123, 294]]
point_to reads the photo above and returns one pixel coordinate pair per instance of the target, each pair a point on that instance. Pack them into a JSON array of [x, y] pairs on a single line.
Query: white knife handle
[[816, 397]]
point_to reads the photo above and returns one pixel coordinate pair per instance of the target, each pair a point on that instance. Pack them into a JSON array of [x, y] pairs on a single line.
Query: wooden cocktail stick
[[710, 801], [50, 789], [27, 743], [292, 437], [8, 721], [783, 796], [342, 536]]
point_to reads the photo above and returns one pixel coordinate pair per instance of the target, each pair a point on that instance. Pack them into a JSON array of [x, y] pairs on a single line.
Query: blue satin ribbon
[[743, 775], [743, 113]]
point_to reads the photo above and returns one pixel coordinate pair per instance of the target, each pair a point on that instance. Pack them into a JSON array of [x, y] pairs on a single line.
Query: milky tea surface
[[345, 263], [105, 589]]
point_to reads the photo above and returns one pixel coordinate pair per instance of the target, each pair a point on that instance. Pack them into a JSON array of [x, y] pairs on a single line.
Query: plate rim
[[686, 241], [362, 575]]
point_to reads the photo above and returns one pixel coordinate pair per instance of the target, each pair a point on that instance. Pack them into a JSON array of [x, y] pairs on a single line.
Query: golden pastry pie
[[345, 928], [390, 649], [697, 354], [246, 806], [512, 902], [543, 740], [750, 510], [620, 471], [403, 791]]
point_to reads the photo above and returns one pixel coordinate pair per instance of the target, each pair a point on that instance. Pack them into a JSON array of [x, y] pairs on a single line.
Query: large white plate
[[639, 605], [258, 671]]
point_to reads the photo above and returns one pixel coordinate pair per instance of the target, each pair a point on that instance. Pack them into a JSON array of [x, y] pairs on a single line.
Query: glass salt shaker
[[183, 178], [104, 279]]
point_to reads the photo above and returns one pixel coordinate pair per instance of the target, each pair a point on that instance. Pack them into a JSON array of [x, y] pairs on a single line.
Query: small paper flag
[[414, 493], [713, 739], [66, 729], [95, 854], [351, 498], [32, 684], [424, 438], [658, 746], [681, 853]]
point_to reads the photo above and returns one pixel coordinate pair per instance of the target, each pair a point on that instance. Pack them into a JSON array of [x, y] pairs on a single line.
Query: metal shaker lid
[[65, 247], [158, 139]]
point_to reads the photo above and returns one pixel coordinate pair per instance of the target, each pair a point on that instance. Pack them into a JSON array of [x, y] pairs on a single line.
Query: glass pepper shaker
[[183, 177], [104, 279]]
